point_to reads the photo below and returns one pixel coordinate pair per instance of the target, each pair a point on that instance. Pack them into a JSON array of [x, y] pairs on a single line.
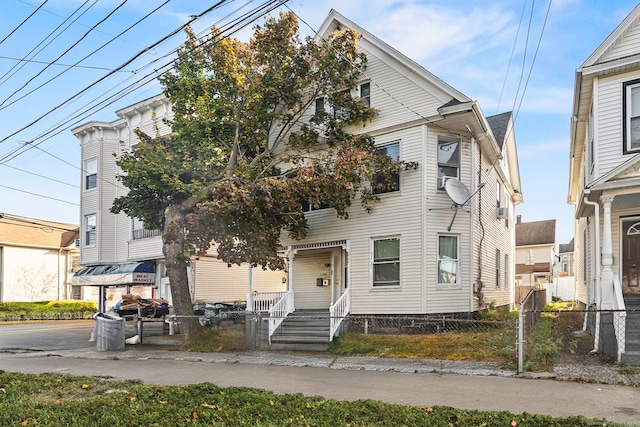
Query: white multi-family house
[[38, 259], [442, 242], [604, 183], [118, 254]]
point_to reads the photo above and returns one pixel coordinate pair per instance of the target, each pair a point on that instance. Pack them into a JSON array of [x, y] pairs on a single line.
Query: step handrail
[[278, 311], [338, 311]]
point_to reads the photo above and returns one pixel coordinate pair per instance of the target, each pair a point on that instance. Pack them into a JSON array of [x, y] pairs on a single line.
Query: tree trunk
[[176, 262]]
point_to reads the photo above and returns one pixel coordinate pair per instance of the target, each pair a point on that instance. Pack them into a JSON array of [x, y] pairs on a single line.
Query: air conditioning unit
[[502, 213], [442, 181], [77, 243]]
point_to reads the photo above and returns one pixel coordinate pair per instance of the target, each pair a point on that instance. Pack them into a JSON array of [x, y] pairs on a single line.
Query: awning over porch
[[116, 274]]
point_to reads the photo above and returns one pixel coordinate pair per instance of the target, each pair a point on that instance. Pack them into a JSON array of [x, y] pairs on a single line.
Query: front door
[[631, 257]]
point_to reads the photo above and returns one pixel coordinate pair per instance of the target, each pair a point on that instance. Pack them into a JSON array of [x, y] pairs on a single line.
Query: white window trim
[[386, 144], [458, 269], [371, 264], [85, 174], [442, 138], [359, 90], [86, 231], [628, 86]]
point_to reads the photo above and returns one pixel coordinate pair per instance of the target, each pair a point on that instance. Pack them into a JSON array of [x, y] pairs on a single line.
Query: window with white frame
[[448, 159], [392, 183], [506, 270], [631, 119], [90, 222], [90, 174], [498, 194], [448, 259], [385, 262], [320, 110], [365, 94], [498, 255]]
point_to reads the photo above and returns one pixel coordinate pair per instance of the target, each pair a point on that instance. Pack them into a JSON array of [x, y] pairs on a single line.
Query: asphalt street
[[410, 382]]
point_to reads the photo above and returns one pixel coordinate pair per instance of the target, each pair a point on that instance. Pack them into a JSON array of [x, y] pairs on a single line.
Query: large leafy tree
[[244, 150]]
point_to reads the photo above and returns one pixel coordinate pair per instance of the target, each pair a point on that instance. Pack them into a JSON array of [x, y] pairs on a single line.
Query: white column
[[607, 295], [292, 254], [249, 289]]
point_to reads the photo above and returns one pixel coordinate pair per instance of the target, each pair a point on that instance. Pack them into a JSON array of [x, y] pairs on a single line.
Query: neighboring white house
[[118, 254], [443, 242], [535, 255], [604, 180], [417, 252], [37, 260]]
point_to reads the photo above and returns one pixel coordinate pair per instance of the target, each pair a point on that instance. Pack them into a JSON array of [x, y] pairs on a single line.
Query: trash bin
[[109, 332]]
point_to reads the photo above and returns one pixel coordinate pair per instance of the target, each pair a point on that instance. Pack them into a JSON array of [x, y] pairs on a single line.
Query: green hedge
[[46, 310]]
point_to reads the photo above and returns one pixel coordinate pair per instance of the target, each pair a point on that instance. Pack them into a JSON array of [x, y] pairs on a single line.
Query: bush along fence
[[46, 310]]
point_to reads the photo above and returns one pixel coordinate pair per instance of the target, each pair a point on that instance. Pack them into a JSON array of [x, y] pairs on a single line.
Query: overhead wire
[[87, 56], [40, 176], [39, 195], [513, 49], [120, 67], [23, 22], [65, 52], [230, 28], [21, 64]]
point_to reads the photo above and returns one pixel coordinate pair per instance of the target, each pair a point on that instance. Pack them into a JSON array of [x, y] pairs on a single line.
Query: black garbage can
[[109, 332]]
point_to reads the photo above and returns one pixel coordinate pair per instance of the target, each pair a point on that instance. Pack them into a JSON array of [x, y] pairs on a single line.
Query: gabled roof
[[564, 248], [499, 125], [618, 53], [536, 233], [335, 20], [15, 230]]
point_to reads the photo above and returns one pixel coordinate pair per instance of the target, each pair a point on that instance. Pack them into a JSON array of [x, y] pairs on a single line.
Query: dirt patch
[[576, 344]]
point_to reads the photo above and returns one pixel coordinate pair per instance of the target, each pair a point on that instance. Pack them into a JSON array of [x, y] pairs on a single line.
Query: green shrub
[[46, 310]]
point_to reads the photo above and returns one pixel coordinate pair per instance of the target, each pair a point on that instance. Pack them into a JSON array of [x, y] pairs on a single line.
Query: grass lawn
[[59, 400]]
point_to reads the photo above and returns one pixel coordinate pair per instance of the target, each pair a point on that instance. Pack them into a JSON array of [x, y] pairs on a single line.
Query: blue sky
[[480, 48]]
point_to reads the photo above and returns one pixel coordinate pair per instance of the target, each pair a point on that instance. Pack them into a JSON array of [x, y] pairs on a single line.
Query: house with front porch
[[604, 186], [443, 241]]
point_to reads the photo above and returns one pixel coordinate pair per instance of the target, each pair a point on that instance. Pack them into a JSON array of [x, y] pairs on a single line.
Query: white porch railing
[[278, 312], [338, 311], [619, 317], [263, 301]]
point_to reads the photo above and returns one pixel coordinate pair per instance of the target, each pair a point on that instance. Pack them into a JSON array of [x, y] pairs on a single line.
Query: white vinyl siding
[[215, 282], [625, 46]]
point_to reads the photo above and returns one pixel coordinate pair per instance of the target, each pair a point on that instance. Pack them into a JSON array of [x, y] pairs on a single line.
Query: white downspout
[[472, 246], [596, 209]]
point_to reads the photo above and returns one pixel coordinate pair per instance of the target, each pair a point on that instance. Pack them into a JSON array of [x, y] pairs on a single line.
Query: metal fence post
[[520, 343]]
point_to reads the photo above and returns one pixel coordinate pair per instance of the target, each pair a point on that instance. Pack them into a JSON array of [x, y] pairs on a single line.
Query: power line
[[66, 51], [41, 176], [231, 28], [513, 48], [87, 56], [21, 64], [39, 195], [88, 67], [23, 22], [120, 67]]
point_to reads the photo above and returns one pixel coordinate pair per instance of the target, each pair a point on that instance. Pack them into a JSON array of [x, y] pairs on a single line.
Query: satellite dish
[[457, 191]]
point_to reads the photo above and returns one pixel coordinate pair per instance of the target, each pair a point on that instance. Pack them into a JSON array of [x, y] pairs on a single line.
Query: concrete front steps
[[632, 330], [303, 330]]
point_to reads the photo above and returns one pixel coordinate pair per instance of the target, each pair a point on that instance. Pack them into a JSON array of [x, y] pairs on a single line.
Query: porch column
[[249, 289], [292, 255], [607, 294]]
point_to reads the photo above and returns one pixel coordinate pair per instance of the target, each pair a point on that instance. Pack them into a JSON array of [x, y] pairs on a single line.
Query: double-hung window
[[448, 259], [631, 123], [389, 183], [386, 262], [448, 159], [365, 94], [320, 110], [90, 222], [498, 255], [90, 174]]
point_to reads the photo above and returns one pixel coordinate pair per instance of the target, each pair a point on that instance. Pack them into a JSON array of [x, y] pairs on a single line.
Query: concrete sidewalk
[[419, 382]]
